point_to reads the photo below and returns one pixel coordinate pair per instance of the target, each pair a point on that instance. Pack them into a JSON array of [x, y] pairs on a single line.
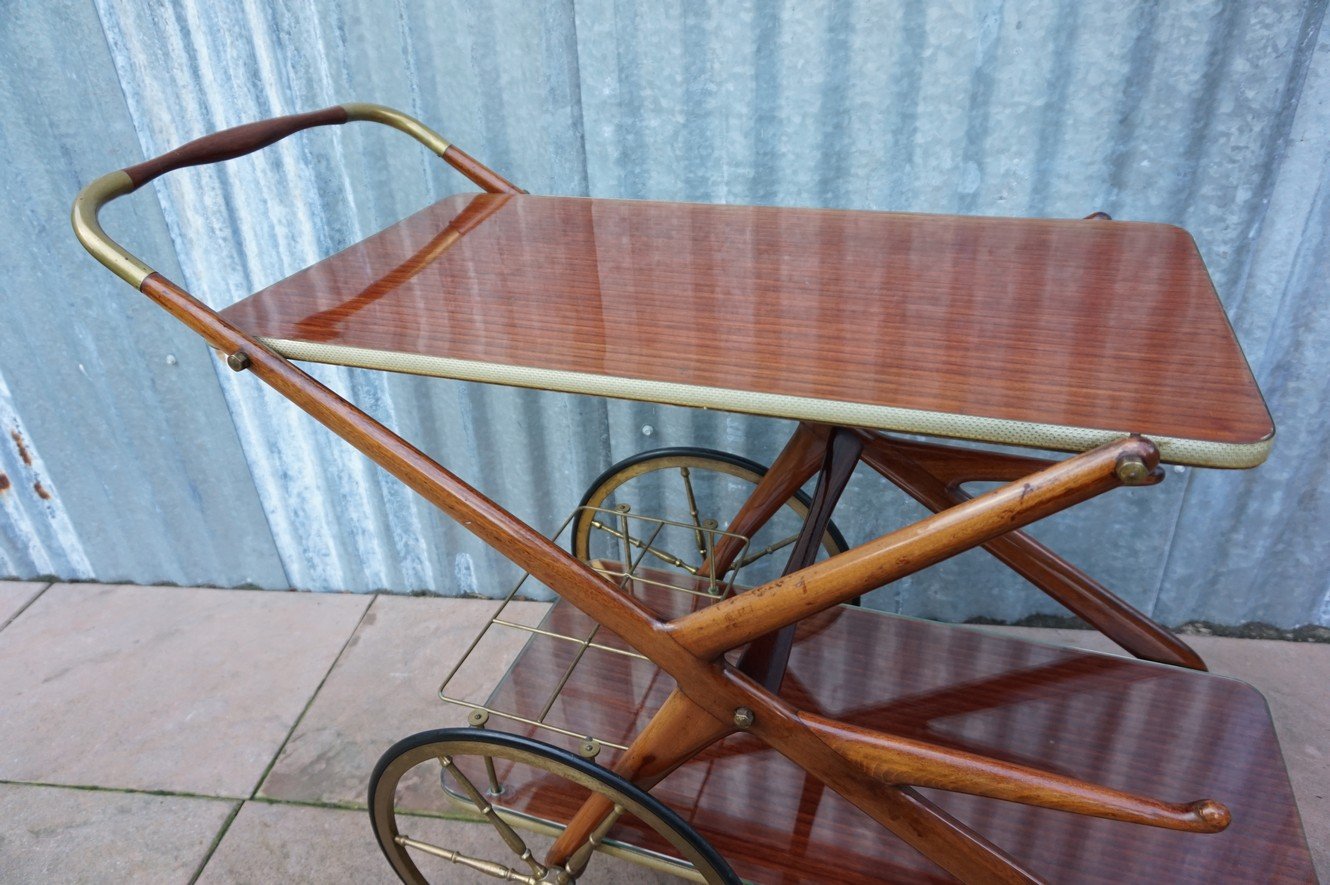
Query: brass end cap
[[744, 718], [1132, 470], [238, 361]]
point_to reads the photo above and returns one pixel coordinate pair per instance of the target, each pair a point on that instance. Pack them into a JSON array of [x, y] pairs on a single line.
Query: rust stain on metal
[[22, 449], [4, 482], [41, 490]]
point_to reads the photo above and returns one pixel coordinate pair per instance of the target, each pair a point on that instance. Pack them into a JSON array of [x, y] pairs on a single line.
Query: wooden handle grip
[[231, 143]]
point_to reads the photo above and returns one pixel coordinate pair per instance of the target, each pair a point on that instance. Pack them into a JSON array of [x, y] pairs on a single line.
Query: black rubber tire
[[697, 452], [383, 820], [694, 452]]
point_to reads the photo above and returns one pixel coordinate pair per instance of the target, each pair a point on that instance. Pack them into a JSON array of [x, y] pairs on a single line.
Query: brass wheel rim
[[395, 843], [597, 496]]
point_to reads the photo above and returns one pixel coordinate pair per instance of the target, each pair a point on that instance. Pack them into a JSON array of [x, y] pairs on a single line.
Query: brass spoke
[[692, 509], [495, 787], [507, 833], [663, 555], [488, 867], [582, 856], [765, 551]]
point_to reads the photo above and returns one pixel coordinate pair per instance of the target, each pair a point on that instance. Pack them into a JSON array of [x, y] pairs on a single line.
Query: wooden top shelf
[[1046, 333]]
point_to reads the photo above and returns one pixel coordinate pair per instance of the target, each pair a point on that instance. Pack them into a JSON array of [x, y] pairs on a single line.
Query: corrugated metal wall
[[131, 456]]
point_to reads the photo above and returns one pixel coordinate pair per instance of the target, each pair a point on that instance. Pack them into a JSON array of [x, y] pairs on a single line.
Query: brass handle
[[226, 145]]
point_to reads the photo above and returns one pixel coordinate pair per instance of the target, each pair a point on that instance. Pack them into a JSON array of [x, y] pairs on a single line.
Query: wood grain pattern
[[1104, 325], [1111, 720], [957, 848], [234, 142]]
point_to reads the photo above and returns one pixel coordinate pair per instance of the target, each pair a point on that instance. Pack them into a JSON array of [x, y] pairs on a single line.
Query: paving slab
[[59, 834], [16, 594], [384, 688], [162, 688], [271, 842], [295, 843], [1294, 677]]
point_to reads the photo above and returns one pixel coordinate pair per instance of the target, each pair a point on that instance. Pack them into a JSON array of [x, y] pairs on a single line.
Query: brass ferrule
[[1132, 470], [89, 230], [377, 113]]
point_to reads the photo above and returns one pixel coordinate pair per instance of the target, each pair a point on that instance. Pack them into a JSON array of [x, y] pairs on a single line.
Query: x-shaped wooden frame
[[876, 771]]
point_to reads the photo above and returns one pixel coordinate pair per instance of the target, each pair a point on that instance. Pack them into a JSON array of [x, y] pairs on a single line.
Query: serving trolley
[[705, 697]]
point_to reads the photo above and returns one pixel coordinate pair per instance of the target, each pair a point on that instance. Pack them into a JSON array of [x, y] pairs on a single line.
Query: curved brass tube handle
[[238, 141]]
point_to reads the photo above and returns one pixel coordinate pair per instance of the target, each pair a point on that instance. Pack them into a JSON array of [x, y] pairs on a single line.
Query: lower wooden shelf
[[1165, 732]]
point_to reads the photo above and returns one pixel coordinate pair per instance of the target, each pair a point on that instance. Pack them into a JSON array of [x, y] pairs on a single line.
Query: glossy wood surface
[[1138, 726], [1088, 324]]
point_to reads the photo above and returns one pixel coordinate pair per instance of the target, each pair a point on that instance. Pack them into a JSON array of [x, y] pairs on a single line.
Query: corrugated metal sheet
[[146, 476], [1205, 114]]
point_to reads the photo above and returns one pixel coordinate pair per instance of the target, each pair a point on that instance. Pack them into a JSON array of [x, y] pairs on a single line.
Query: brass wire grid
[[637, 542]]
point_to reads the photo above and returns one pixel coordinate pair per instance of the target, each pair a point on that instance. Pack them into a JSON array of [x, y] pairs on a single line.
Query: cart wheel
[[701, 487], [479, 765]]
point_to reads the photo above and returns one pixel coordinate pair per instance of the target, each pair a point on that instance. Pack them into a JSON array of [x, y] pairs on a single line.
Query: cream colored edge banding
[[994, 430]]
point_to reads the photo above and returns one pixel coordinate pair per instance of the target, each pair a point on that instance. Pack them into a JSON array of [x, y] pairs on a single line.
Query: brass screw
[[743, 718], [478, 717], [238, 361], [1131, 470], [589, 748]]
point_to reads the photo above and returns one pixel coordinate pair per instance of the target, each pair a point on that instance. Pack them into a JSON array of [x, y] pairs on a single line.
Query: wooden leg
[[678, 732], [793, 467], [681, 730], [928, 829], [722, 691], [735, 621], [766, 657], [933, 474], [897, 760]]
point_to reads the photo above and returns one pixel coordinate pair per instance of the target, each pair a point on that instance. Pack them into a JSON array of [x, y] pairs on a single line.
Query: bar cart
[[705, 698]]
